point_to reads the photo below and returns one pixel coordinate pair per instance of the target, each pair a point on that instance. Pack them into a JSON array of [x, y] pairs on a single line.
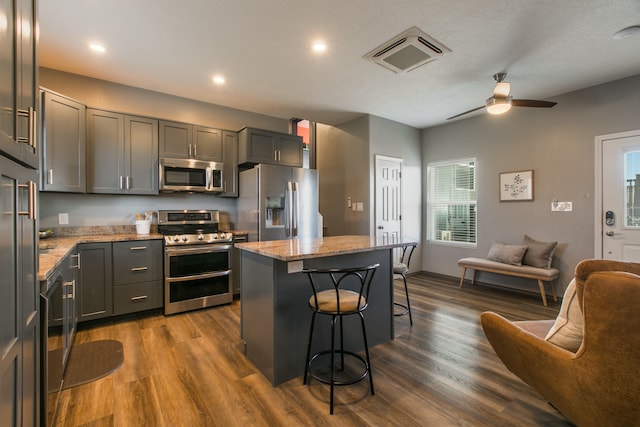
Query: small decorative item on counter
[[44, 234], [143, 222]]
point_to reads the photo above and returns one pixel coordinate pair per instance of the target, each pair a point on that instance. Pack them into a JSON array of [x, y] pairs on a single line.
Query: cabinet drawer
[[137, 297], [137, 261]]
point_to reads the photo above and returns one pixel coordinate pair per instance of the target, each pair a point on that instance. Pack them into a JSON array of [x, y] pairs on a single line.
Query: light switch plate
[[561, 206], [63, 218], [359, 206]]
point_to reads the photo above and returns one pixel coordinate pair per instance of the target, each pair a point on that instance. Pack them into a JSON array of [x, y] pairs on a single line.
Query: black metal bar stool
[[402, 268], [337, 293]]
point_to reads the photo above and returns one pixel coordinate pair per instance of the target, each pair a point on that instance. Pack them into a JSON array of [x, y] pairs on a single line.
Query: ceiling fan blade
[[466, 112], [532, 103], [502, 89]]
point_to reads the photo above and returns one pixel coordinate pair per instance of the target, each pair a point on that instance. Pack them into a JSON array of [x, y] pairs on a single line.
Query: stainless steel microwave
[[190, 175]]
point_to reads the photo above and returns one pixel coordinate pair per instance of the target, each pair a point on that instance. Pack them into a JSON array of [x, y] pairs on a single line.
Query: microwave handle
[[209, 178]]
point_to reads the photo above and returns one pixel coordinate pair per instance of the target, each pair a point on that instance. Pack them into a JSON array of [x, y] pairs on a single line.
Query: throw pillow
[[506, 254], [566, 332], [539, 254]]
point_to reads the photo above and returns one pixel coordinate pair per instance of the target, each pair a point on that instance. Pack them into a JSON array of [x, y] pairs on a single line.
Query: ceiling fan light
[[498, 105]]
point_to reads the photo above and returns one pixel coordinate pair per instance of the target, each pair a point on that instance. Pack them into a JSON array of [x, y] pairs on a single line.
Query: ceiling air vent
[[407, 51]]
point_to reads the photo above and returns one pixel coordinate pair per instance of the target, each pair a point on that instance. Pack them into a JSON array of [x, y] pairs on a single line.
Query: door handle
[[610, 233]]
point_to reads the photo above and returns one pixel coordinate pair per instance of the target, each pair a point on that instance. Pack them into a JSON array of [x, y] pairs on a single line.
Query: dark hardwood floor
[[189, 370]]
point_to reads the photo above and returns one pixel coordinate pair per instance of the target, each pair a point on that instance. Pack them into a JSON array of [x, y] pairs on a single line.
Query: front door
[[388, 198], [619, 230]]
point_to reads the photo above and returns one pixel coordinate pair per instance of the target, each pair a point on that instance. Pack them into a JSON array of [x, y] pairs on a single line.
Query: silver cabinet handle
[[50, 176], [31, 212], [32, 128], [139, 298], [128, 182], [121, 183], [137, 248], [189, 150], [139, 268], [77, 257], [195, 150]]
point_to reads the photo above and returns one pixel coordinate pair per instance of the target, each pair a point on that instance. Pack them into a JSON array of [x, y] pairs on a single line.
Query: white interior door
[[388, 198], [620, 208]]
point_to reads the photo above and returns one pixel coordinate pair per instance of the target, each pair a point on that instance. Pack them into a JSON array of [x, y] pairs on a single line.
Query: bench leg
[[464, 270], [473, 278], [553, 290], [544, 297]]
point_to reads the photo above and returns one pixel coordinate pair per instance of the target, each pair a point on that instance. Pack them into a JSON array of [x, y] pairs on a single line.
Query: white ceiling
[[262, 47]]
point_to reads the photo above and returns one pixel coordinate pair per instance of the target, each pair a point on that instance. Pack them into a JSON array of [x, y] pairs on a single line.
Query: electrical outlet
[[63, 218]]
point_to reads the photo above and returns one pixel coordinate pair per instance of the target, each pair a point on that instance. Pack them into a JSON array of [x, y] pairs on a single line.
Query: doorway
[[388, 198], [617, 207]]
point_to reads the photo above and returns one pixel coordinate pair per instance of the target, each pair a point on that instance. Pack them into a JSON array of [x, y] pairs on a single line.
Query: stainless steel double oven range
[[197, 260]]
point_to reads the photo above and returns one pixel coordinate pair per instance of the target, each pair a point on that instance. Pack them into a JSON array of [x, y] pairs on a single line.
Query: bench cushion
[[546, 274]]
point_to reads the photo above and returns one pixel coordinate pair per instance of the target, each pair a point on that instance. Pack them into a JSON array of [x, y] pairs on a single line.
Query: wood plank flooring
[[189, 370]]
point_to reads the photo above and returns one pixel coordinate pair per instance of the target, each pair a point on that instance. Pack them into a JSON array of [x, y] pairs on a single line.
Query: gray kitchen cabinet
[[95, 281], [185, 141], [263, 146], [18, 85], [63, 144], [122, 153], [19, 296], [230, 164], [137, 276]]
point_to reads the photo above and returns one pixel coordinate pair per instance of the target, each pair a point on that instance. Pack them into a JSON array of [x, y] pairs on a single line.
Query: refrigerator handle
[[288, 201], [295, 210]]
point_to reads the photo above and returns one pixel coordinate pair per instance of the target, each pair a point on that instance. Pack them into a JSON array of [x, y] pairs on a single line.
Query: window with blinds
[[451, 202]]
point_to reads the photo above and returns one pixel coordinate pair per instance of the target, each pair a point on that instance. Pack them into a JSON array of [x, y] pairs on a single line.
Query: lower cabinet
[[137, 274], [95, 293], [119, 278]]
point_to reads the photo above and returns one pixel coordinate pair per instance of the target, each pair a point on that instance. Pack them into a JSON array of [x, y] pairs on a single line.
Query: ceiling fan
[[501, 102]]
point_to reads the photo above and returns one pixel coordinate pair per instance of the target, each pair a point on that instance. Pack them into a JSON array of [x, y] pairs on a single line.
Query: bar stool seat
[[347, 294], [401, 269]]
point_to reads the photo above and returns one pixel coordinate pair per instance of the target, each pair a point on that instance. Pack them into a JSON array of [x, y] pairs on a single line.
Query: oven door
[[197, 277]]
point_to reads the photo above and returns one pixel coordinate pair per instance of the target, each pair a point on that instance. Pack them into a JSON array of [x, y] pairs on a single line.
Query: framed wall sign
[[515, 186]]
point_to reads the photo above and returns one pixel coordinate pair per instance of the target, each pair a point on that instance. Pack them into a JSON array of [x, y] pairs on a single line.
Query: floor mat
[[89, 362]]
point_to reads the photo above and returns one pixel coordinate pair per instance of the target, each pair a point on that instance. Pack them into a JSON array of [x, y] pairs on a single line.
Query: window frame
[[451, 202]]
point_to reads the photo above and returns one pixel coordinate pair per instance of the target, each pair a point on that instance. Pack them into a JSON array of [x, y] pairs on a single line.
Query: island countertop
[[298, 249]]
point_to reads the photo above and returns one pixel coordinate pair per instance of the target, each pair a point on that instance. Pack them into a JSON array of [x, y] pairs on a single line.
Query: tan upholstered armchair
[[599, 384]]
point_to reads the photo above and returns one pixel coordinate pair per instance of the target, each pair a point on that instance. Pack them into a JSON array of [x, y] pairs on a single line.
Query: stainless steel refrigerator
[[278, 202]]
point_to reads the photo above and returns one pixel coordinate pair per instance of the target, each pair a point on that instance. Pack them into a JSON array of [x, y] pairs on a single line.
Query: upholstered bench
[[540, 274]]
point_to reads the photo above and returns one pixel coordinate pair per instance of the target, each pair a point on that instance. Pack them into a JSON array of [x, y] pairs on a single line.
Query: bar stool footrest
[[343, 376], [404, 312]]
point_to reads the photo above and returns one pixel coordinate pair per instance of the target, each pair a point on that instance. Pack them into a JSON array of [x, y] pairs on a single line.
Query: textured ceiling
[[547, 47]]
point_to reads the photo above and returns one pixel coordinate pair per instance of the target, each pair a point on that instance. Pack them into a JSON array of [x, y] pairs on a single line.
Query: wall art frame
[[516, 186]]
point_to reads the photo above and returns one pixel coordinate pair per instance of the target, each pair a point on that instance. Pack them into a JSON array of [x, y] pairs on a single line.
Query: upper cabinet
[[122, 153], [185, 141], [18, 85], [263, 146], [63, 144], [230, 164]]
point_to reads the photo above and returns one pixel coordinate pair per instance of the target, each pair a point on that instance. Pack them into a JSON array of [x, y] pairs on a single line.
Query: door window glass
[[632, 193]]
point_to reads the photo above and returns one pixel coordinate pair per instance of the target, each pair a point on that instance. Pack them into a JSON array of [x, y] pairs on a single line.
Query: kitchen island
[[274, 310]]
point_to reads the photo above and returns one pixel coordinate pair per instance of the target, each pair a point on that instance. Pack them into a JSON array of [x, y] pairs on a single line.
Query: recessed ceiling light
[[97, 48], [319, 46], [218, 79], [627, 32]]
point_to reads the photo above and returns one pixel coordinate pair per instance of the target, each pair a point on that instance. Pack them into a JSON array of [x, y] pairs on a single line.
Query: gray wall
[[346, 165], [120, 210], [559, 145]]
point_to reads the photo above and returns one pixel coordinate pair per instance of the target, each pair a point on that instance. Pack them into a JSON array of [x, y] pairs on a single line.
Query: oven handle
[[197, 276], [200, 249]]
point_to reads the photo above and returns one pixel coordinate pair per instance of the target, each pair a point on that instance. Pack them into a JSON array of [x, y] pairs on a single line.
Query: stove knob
[[215, 236], [200, 237], [176, 238], [185, 238]]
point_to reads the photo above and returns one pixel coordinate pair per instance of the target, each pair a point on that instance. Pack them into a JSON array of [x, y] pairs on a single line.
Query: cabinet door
[[19, 302], [26, 83], [8, 38], [105, 152], [230, 162], [207, 144], [260, 146], [95, 281], [290, 150], [141, 145], [63, 130], [176, 140]]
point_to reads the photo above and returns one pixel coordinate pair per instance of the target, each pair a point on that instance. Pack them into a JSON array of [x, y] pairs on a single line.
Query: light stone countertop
[[297, 249], [53, 250]]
